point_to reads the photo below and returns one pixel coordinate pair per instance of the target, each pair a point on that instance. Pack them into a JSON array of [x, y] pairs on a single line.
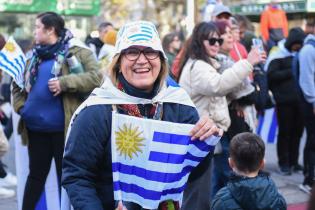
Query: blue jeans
[[220, 167]]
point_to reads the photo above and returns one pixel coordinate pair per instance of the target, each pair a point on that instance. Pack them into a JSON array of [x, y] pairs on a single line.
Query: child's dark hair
[[247, 150]]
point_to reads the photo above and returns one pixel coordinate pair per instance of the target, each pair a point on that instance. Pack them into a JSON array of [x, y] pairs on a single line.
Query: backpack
[[296, 67]]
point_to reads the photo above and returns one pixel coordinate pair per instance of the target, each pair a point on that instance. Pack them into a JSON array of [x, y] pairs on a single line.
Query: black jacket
[[258, 193], [281, 81]]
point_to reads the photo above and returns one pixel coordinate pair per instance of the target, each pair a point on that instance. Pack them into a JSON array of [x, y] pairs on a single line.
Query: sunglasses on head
[[213, 40]]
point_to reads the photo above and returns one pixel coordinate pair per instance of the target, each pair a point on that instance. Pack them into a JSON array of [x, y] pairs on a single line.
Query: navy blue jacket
[[244, 193], [87, 163]]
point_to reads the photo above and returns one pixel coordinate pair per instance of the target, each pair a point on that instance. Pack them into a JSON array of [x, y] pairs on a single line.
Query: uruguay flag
[[151, 160], [267, 126], [12, 61]]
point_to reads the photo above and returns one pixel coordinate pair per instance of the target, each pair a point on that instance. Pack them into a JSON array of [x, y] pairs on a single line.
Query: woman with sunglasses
[[208, 89], [138, 72]]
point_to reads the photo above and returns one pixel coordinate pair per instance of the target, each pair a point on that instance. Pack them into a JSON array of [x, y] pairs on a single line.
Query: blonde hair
[[114, 68]]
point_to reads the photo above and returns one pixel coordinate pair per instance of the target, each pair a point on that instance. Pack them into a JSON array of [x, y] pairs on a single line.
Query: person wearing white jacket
[[208, 89]]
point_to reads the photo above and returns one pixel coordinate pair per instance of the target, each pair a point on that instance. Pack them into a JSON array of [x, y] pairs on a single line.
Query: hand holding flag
[[12, 61]]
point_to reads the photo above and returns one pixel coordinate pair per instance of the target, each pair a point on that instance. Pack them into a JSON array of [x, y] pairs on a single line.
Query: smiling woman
[[138, 72]]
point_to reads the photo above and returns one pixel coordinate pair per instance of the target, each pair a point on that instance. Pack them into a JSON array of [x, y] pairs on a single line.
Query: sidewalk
[[287, 185]]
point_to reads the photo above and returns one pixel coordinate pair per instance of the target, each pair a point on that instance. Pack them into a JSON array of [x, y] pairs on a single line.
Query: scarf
[[152, 111], [41, 53]]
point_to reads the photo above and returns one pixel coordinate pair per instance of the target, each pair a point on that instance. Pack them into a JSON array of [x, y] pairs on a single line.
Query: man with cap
[[288, 100], [221, 12]]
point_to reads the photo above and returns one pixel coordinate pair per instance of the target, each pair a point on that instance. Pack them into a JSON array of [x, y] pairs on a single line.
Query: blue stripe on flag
[[171, 138], [19, 64], [260, 124], [9, 62], [172, 158], [7, 69], [22, 59], [144, 193], [139, 35], [146, 31], [151, 175], [41, 204], [272, 129], [181, 140], [140, 39], [146, 28]]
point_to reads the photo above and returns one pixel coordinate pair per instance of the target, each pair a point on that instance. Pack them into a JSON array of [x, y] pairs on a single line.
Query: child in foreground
[[248, 188]]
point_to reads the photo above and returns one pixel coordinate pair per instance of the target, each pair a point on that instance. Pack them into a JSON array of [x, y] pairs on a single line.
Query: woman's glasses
[[213, 40], [133, 54]]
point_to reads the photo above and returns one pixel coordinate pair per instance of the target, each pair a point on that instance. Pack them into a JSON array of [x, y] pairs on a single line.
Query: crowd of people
[[227, 78]]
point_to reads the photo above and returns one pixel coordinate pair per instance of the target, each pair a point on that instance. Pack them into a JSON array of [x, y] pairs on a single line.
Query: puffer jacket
[[244, 193], [208, 88], [74, 87], [90, 173]]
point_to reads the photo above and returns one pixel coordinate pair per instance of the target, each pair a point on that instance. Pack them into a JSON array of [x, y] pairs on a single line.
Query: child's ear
[[262, 164], [231, 163]]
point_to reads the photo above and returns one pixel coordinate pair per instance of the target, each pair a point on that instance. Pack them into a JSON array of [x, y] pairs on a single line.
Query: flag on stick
[[12, 61]]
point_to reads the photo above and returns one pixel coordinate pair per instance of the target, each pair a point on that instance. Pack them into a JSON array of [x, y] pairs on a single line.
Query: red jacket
[[238, 52]]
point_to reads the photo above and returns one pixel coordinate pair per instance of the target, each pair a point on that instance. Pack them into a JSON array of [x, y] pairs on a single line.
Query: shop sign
[[257, 9], [64, 7]]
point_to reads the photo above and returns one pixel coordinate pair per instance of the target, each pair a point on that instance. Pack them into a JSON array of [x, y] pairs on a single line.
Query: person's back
[[248, 188]]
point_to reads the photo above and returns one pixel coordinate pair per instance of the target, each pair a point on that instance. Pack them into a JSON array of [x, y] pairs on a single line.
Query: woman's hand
[[205, 128], [255, 56], [121, 206], [54, 86]]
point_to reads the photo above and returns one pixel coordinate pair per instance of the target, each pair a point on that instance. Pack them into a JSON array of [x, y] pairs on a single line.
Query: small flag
[[151, 160], [267, 127], [12, 61]]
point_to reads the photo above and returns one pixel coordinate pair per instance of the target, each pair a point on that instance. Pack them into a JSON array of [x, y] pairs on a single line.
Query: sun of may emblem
[[9, 46], [128, 141]]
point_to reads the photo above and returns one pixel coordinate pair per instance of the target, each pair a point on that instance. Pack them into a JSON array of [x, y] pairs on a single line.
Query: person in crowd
[[248, 188], [238, 51], [53, 91], [171, 45], [96, 43], [139, 69], [273, 24], [307, 84], [7, 179], [107, 52], [221, 12], [309, 27], [288, 100], [246, 31], [208, 89]]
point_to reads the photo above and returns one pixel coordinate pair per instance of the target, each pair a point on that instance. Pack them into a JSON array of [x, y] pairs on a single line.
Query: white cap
[[138, 33]]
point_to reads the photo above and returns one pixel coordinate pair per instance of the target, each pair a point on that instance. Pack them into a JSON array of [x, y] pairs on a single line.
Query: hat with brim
[[138, 33]]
